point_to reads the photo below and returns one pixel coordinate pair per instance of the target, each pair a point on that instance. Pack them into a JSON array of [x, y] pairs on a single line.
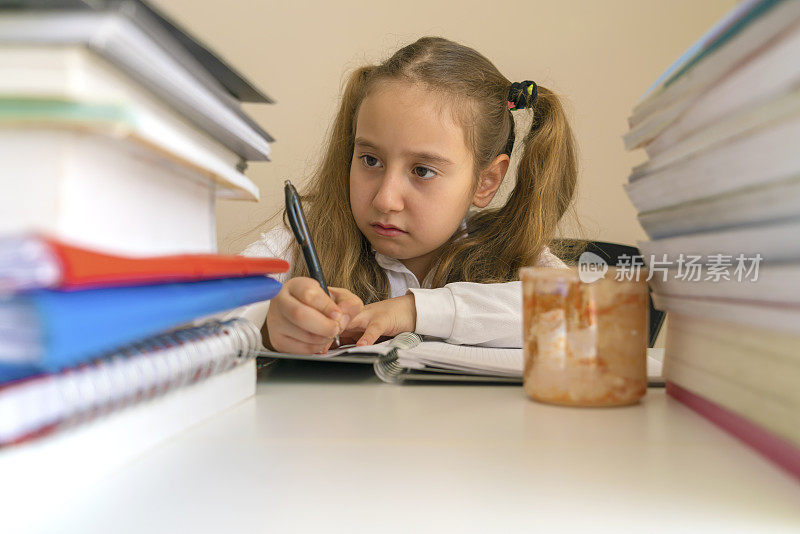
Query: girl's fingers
[[301, 335], [296, 346], [357, 325], [371, 333], [308, 319], [309, 292], [349, 303], [359, 321]]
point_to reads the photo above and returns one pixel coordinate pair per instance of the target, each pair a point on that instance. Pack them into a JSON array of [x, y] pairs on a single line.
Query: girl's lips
[[388, 232]]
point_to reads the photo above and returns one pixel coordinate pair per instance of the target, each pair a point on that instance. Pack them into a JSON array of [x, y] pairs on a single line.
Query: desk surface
[[332, 448]]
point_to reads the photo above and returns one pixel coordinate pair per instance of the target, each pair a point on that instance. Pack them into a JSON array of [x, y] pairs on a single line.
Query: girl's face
[[411, 176]]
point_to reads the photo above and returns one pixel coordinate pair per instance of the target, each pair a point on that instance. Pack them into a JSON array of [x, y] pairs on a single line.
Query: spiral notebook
[[45, 403], [407, 357]]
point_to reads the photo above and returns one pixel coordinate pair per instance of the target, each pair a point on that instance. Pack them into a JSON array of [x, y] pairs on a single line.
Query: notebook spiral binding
[[386, 366], [132, 374]]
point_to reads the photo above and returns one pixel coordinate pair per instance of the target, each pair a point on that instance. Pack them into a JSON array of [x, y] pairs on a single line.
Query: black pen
[[297, 220]]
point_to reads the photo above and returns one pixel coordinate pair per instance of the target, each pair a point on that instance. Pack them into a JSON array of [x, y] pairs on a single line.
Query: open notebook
[[407, 357]]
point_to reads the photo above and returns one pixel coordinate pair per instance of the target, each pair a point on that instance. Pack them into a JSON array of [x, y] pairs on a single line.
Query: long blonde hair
[[497, 242]]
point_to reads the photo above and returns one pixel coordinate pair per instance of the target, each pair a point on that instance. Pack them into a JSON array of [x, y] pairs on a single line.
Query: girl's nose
[[389, 196]]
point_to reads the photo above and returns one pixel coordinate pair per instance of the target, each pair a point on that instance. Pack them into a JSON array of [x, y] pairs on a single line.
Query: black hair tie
[[522, 95]]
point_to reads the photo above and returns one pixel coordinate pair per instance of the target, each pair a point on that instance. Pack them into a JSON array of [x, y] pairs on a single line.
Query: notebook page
[[464, 357], [481, 359]]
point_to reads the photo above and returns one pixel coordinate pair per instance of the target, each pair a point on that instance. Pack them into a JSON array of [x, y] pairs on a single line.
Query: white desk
[[345, 453]]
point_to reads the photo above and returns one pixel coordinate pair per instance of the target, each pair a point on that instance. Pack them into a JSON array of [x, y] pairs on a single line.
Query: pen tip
[[286, 182]]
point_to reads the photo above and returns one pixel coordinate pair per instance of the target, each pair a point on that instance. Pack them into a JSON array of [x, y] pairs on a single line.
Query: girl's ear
[[490, 180]]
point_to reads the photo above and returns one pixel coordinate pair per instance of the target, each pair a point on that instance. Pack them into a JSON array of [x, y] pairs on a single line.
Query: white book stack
[[113, 135], [719, 197]]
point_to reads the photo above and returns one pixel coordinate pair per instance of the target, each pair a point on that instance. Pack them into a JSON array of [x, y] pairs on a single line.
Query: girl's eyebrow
[[429, 156]]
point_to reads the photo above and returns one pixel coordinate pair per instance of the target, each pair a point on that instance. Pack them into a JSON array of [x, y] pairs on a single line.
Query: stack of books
[[118, 131], [719, 196]]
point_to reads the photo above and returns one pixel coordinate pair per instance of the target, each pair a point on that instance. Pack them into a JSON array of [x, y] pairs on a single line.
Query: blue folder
[[77, 326]]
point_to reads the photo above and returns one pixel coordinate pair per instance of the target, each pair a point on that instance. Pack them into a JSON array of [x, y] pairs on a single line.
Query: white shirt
[[464, 313]]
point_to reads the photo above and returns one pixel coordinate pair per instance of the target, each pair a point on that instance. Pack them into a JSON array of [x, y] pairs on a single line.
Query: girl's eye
[[367, 159], [425, 170], [371, 162]]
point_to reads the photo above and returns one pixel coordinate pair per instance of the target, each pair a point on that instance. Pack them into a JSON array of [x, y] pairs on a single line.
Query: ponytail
[[546, 177], [500, 241]]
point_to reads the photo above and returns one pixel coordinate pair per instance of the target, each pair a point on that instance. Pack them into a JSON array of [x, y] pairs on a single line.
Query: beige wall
[[599, 55]]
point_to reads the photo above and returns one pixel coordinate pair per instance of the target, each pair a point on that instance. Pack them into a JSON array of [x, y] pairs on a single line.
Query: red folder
[[73, 267]]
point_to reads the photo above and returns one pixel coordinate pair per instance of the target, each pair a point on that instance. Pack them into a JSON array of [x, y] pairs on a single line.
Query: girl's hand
[[385, 318], [302, 319]]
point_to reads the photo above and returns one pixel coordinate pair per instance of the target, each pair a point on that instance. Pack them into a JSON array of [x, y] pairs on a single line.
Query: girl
[[418, 141]]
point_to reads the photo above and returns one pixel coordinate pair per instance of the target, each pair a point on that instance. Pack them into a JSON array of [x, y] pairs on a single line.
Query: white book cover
[[76, 75], [748, 206], [773, 317], [744, 122], [103, 193], [777, 284], [758, 358], [766, 155]]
